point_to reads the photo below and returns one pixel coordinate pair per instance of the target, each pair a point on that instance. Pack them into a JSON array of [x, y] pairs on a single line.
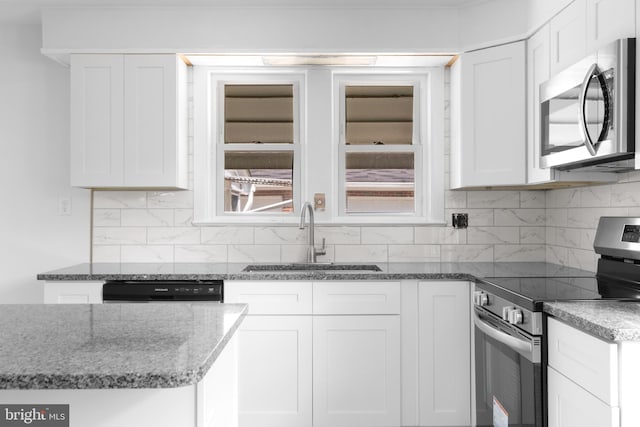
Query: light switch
[[64, 205]]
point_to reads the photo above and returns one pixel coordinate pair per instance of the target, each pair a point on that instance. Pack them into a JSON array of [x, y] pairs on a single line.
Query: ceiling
[[28, 11]]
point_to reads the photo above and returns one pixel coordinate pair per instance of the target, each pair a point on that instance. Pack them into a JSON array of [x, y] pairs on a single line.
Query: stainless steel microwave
[[587, 112]]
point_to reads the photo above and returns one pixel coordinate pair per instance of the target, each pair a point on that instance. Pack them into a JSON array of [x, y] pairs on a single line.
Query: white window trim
[[209, 148], [428, 143], [429, 186]]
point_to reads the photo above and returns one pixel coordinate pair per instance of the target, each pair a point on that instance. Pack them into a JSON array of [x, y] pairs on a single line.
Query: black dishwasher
[[162, 291]]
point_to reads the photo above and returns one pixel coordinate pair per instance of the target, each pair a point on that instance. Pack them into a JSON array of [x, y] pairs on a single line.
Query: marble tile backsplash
[[134, 226], [572, 217]]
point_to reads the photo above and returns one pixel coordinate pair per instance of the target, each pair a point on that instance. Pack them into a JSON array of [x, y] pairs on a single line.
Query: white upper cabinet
[[537, 73], [568, 36], [97, 121], [128, 121], [609, 20], [488, 117]]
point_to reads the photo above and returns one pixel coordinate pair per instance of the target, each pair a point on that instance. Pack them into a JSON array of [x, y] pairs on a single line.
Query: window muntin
[[258, 149], [379, 148]]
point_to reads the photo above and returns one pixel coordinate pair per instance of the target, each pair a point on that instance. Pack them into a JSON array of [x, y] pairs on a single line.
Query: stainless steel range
[[510, 327]]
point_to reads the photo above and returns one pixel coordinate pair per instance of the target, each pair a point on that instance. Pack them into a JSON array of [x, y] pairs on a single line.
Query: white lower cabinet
[[274, 360], [332, 363], [275, 371], [73, 292], [444, 349], [356, 371], [591, 382], [572, 406]]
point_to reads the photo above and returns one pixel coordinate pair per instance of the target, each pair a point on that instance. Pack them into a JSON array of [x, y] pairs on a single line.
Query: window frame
[[428, 123], [209, 157], [319, 137]]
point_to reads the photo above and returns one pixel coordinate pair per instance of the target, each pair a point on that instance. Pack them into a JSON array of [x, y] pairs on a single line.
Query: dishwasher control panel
[[163, 290]]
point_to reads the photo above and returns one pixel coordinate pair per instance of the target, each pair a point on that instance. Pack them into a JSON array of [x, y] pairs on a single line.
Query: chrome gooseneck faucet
[[312, 252]]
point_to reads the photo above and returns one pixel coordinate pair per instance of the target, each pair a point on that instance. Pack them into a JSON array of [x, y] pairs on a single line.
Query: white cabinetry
[[128, 121], [73, 293], [356, 358], [591, 382], [568, 36], [488, 117], [445, 353], [582, 378], [351, 333], [275, 360], [609, 20]]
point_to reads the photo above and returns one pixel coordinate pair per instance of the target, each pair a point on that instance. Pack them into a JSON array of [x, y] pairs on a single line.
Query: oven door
[[508, 374]]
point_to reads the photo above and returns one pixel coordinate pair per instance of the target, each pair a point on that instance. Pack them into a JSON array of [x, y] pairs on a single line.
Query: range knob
[[480, 298], [505, 312], [515, 316]]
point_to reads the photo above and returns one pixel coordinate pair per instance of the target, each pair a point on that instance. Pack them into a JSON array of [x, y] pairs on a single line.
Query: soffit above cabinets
[[29, 10], [349, 59]]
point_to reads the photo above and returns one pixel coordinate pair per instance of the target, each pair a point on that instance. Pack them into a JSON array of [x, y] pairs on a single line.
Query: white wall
[[252, 29], [34, 166]]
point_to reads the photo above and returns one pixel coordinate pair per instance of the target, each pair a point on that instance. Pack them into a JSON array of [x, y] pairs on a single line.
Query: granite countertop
[[112, 345], [607, 319], [388, 271]]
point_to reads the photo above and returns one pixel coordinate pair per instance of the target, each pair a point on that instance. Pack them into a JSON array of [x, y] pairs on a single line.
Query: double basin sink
[[320, 267]]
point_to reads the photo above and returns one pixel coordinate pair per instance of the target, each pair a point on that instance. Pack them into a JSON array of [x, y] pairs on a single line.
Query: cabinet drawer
[[73, 293], [572, 406], [356, 298], [588, 361], [270, 297]]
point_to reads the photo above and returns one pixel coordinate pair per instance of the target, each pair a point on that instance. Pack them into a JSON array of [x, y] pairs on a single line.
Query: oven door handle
[[516, 344]]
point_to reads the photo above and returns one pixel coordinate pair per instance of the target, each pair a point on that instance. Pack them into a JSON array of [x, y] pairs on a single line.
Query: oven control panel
[[631, 233]]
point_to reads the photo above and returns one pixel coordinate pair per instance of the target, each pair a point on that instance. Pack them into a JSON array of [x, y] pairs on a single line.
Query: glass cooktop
[[531, 292]]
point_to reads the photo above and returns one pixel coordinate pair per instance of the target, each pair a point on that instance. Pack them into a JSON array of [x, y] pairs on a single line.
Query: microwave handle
[[594, 70]]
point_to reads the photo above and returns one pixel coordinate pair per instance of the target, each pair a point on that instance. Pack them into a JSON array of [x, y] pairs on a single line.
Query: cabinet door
[[537, 73], [445, 353], [356, 371], [154, 135], [274, 371], [97, 120], [572, 406], [488, 117], [568, 36], [73, 293], [609, 20]]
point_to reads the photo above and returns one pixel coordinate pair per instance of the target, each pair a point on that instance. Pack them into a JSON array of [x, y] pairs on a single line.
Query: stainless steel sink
[[311, 267]]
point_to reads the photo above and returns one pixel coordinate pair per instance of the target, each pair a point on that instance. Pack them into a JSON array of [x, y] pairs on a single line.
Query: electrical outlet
[[460, 220], [319, 202]]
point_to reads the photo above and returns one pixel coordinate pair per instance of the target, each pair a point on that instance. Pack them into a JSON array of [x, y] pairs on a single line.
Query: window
[[267, 139], [378, 177], [383, 146], [259, 148], [254, 135]]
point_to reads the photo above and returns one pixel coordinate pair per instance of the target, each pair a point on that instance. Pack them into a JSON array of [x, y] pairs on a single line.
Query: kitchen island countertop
[[111, 346]]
